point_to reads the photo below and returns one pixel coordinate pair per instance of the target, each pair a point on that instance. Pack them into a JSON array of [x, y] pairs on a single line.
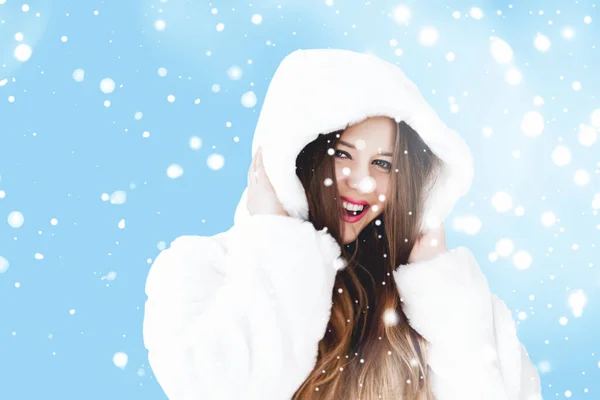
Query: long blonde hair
[[369, 350]]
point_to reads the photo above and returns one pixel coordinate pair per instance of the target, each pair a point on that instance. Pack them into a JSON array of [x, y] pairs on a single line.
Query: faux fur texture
[[474, 352], [250, 331], [239, 315]]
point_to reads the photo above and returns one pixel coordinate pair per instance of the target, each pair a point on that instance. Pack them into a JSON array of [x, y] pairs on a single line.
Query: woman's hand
[[429, 246], [261, 195]]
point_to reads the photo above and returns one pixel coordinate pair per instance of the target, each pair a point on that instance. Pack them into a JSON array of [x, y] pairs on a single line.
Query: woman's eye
[[384, 164], [341, 154]]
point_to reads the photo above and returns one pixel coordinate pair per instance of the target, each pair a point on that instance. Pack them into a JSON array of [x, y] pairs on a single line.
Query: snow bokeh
[[249, 99], [235, 73], [3, 265], [390, 317], [588, 135], [561, 156], [120, 360], [548, 219], [195, 143], [522, 259], [504, 247], [118, 197], [107, 85], [256, 19], [215, 162], [470, 224], [542, 43], [78, 75], [513, 76], [502, 202], [501, 51], [428, 36], [23, 52], [174, 171], [532, 124], [15, 219], [160, 25], [402, 14], [367, 185], [577, 302], [595, 118]]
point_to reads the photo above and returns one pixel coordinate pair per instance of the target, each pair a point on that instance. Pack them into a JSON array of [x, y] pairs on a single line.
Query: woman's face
[[363, 167]]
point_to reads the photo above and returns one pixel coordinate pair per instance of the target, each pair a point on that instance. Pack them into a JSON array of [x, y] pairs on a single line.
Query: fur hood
[[323, 90]]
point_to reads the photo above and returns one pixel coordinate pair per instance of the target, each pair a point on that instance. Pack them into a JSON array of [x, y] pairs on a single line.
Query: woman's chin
[[349, 235]]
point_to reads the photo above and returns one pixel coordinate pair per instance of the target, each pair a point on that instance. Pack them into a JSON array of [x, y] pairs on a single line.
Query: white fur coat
[[239, 315]]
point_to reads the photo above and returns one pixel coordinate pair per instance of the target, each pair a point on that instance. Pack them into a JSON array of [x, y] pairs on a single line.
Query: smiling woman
[[335, 281], [367, 164]]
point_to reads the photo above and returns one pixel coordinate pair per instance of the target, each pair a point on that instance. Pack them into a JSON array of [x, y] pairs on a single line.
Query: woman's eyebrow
[[347, 144], [383, 153]]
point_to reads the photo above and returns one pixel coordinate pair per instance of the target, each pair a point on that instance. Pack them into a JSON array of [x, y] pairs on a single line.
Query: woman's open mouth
[[353, 212]]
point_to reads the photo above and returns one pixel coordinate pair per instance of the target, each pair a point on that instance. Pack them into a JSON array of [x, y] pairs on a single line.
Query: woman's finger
[[251, 170], [258, 166], [259, 161]]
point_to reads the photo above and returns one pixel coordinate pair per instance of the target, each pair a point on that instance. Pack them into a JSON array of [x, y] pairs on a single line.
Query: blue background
[[61, 149]]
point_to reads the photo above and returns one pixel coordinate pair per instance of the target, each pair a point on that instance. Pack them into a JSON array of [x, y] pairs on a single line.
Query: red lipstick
[[358, 202], [354, 218]]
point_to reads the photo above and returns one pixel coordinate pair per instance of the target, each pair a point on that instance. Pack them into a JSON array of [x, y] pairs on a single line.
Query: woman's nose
[[353, 177], [361, 181]]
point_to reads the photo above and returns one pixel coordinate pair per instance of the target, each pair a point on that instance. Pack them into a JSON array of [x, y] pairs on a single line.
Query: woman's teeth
[[353, 207]]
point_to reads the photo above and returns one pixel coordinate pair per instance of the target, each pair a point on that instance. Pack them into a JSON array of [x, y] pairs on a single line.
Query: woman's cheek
[[382, 188], [338, 172]]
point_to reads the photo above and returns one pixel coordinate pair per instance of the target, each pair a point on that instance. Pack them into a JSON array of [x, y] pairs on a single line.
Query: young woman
[[334, 281]]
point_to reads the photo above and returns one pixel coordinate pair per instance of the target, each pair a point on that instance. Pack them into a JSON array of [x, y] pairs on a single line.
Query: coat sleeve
[[521, 377], [473, 349], [244, 323]]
